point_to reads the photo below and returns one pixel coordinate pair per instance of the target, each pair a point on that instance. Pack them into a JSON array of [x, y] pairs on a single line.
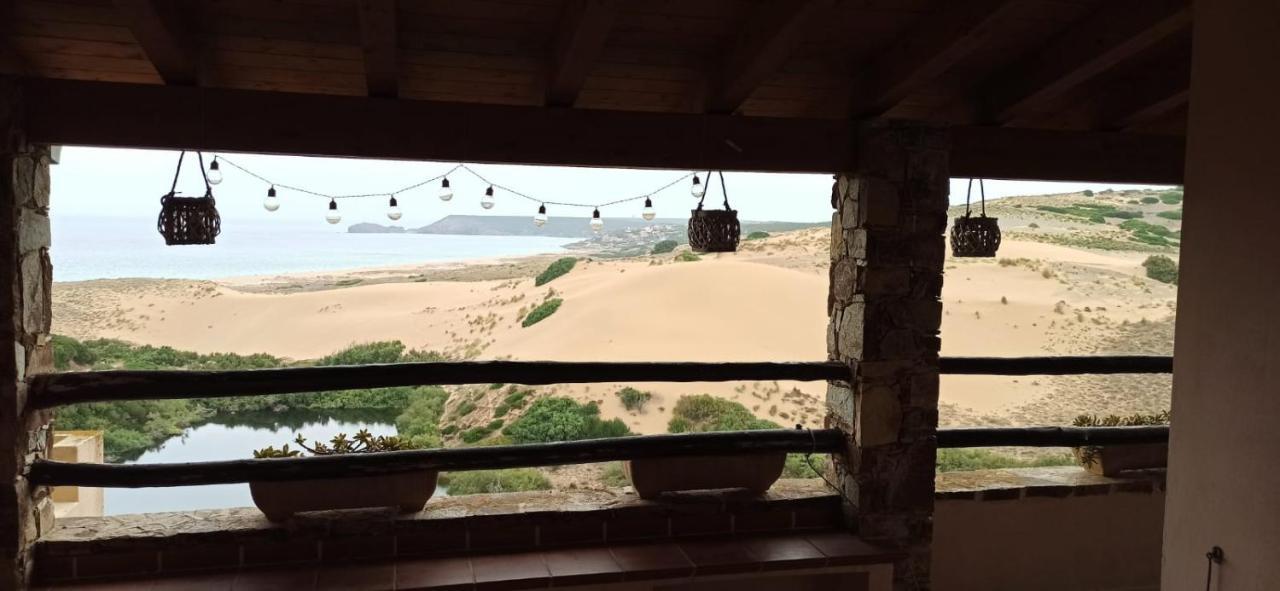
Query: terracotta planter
[[280, 500], [754, 472], [1110, 460]]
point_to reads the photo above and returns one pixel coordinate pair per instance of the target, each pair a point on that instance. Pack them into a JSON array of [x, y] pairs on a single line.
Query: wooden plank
[[1051, 436], [57, 389], [1119, 31], [1034, 154], [1146, 99], [821, 441], [767, 41], [928, 49], [164, 37], [378, 34], [11, 59], [1025, 366], [584, 28]]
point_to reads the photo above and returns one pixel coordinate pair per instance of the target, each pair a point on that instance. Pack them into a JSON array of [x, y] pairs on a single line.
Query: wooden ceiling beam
[[1117, 32], [381, 54], [1146, 99], [11, 60], [767, 41], [584, 28], [168, 43], [927, 50], [170, 117]]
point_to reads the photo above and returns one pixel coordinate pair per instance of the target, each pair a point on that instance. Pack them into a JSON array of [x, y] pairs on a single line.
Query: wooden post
[[25, 277], [886, 280]]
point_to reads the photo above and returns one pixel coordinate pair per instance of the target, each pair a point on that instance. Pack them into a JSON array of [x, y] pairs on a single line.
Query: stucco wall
[[1223, 481]]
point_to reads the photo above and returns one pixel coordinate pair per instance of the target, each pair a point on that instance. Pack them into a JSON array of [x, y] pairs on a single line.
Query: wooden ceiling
[[1076, 65]]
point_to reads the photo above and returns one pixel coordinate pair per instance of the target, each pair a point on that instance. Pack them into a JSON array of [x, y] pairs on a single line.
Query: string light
[[540, 218], [215, 175], [333, 216], [487, 201], [271, 203], [697, 188], [597, 224], [648, 213], [446, 193], [393, 209]]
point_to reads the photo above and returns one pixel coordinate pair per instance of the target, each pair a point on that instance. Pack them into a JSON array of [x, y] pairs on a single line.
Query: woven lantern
[[975, 236], [714, 230], [189, 220]]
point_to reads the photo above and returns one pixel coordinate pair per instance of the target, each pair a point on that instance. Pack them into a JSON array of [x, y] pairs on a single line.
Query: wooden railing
[[58, 389]]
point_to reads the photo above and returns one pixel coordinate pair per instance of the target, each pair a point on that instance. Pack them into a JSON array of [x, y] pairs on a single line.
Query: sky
[[129, 183]]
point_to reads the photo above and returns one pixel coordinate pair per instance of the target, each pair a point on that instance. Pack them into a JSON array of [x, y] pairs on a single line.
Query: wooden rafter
[[1146, 100], [1119, 31], [378, 38], [766, 42], [584, 27], [927, 50], [165, 39]]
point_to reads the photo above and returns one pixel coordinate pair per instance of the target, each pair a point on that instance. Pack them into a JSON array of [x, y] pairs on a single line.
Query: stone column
[[887, 253], [26, 277]]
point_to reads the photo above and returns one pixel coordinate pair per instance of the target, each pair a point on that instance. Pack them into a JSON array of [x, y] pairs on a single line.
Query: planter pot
[[408, 492], [754, 472], [1110, 460]]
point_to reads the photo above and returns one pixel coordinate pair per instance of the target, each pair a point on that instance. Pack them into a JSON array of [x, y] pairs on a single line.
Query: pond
[[229, 437]]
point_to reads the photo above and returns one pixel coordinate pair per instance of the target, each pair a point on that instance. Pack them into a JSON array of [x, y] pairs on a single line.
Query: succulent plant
[[362, 442]]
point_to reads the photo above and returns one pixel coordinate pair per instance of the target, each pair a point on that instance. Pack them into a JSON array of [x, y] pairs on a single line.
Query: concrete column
[[885, 311], [26, 277]]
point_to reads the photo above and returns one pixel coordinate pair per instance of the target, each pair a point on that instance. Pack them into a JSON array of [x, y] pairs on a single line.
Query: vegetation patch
[[515, 398], [687, 257], [757, 235], [1162, 269], [541, 312], [633, 399], [1153, 234], [419, 423], [964, 460], [664, 247], [562, 419], [702, 413], [1150, 200], [556, 269], [494, 481], [1092, 212], [1174, 214], [1171, 197], [798, 466]]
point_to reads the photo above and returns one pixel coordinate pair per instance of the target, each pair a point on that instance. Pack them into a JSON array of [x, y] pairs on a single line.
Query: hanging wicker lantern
[[975, 236], [189, 220], [714, 230]]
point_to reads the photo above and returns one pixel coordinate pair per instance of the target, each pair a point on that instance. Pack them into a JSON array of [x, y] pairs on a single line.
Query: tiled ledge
[[162, 543], [1058, 481]]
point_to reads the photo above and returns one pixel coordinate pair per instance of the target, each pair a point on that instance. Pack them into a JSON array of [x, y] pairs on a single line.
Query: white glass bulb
[[271, 203], [648, 213], [446, 193], [597, 224], [393, 213], [698, 189], [539, 219], [214, 176], [487, 201], [333, 216]]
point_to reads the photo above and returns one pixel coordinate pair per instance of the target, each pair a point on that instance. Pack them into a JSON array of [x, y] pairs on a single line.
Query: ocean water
[[105, 248]]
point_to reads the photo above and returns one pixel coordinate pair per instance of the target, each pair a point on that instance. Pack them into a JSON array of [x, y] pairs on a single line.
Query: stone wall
[[26, 276], [887, 254]]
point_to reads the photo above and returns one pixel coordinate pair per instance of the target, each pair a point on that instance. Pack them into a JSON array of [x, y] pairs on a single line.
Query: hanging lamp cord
[[1213, 556], [173, 189], [723, 191], [982, 191]]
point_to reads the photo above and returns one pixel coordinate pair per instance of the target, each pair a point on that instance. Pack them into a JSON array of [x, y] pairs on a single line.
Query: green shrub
[[967, 459], [703, 413], [797, 467], [1175, 214], [1088, 193], [614, 475], [515, 399], [556, 269], [686, 257], [1161, 268], [67, 350], [449, 430], [1150, 200], [419, 423], [475, 434], [465, 408], [1171, 197], [633, 399], [541, 312], [757, 235], [1124, 215], [562, 419], [664, 247], [495, 481], [1097, 219]]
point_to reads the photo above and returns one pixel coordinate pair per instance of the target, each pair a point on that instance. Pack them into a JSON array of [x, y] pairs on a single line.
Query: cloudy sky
[[129, 183]]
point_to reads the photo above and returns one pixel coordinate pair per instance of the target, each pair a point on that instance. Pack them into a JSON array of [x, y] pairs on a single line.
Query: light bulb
[[271, 203], [648, 213], [597, 224], [446, 193], [698, 189], [540, 217], [393, 210], [215, 175], [487, 201], [333, 216]]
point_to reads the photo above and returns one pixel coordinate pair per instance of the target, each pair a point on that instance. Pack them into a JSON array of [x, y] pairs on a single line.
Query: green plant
[[464, 408], [1171, 197], [541, 312], [562, 419], [798, 466], [555, 269], [633, 399], [363, 442], [475, 434], [419, 423], [614, 475], [514, 399], [757, 235], [1150, 200], [67, 350], [1174, 214], [686, 257], [1088, 455], [964, 460], [703, 412], [495, 481], [1162, 269], [664, 247], [1088, 193]]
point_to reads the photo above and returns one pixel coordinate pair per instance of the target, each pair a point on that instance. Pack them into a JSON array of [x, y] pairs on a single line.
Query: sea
[[85, 247]]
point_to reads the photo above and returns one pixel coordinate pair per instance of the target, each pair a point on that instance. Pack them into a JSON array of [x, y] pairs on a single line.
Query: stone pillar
[[887, 252], [26, 277]]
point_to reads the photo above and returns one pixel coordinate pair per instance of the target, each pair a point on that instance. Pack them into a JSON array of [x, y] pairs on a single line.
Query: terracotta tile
[[298, 578], [440, 574], [202, 557], [440, 538], [818, 515], [716, 557], [487, 534], [511, 571], [117, 564], [582, 567], [357, 577], [701, 525], [652, 561], [843, 548], [282, 551], [358, 548], [126, 585], [567, 531], [627, 526], [775, 553], [758, 521], [205, 582]]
